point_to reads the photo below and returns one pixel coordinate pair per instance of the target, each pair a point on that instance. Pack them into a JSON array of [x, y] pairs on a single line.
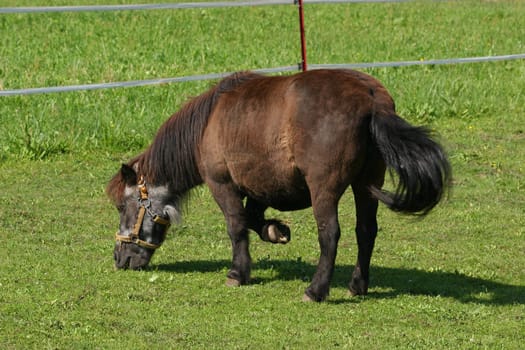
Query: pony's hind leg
[[366, 232], [325, 211], [373, 174], [273, 231]]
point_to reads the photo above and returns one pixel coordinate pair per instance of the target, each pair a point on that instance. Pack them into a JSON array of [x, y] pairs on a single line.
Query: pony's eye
[[121, 207]]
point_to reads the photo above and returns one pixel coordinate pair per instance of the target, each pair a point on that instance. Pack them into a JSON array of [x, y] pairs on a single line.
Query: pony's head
[[146, 211]]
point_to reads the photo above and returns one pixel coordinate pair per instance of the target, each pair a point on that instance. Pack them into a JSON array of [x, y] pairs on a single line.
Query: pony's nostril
[[122, 262], [126, 263]]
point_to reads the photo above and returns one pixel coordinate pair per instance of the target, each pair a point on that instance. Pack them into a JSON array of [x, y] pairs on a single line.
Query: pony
[[286, 142]]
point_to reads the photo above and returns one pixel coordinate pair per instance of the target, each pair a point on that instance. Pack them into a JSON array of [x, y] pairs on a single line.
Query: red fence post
[[304, 66]]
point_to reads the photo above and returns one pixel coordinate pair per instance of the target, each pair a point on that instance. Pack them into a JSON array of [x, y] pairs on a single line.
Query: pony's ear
[[129, 175]]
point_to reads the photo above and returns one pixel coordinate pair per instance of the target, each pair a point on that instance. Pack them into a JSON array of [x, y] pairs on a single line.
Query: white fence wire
[[175, 6]]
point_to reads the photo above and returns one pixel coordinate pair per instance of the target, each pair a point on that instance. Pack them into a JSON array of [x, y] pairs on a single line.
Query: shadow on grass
[[395, 281]]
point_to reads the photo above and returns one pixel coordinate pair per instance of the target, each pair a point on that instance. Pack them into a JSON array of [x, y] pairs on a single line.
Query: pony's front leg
[[325, 212], [230, 202]]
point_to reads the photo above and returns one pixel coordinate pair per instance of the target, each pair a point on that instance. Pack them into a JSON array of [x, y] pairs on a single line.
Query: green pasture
[[455, 279]]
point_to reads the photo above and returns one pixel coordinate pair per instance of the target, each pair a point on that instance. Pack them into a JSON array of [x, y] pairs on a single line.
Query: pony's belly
[[284, 201], [281, 196], [276, 184], [287, 205]]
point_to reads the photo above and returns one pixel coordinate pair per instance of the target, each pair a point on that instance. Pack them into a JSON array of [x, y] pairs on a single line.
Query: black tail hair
[[423, 170]]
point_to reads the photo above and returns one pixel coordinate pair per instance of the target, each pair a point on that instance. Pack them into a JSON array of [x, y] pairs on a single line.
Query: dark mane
[[170, 159], [115, 189]]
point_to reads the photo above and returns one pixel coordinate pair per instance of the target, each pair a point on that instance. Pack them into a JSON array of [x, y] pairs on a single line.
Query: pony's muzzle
[[131, 256]]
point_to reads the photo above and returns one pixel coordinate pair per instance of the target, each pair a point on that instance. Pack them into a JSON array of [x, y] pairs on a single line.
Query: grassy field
[[453, 280]]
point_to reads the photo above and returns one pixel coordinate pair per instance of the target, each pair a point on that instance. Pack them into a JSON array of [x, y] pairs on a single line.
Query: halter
[[145, 208]]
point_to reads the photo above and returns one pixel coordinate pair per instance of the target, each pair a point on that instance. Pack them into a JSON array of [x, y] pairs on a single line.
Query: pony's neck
[[171, 159]]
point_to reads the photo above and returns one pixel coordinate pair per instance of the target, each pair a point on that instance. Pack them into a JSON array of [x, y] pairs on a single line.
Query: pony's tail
[[421, 165]]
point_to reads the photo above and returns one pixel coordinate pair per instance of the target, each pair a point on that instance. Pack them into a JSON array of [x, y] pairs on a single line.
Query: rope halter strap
[[145, 208]]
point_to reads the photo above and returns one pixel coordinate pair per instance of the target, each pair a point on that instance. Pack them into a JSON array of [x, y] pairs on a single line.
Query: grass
[[455, 279]]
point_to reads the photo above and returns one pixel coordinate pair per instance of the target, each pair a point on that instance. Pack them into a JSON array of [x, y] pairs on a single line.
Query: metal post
[[304, 66]]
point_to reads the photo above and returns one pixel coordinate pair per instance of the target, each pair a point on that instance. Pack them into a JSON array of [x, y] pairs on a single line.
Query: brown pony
[[286, 142]]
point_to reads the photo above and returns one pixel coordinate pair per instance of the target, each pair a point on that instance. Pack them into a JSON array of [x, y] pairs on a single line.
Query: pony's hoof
[[357, 287], [230, 282], [276, 234], [307, 299], [352, 293]]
